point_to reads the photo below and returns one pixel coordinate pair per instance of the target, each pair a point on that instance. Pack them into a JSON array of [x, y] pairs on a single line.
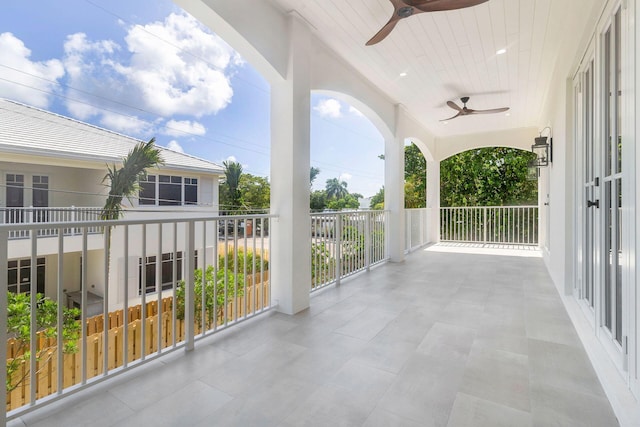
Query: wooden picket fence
[[255, 298]]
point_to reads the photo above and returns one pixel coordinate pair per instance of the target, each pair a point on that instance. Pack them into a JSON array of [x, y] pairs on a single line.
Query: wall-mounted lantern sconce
[[542, 149]]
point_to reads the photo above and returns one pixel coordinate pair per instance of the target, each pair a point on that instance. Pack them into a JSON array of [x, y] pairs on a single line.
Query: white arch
[[521, 138]]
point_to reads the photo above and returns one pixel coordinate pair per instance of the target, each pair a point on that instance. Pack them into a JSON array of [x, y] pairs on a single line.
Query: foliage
[[322, 264], [336, 189], [377, 201], [255, 192], [230, 195], [415, 177], [123, 181], [19, 328], [318, 200], [495, 176], [348, 201], [313, 174], [214, 294], [250, 258]]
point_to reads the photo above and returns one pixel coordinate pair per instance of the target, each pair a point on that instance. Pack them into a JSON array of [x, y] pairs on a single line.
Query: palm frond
[[123, 181]]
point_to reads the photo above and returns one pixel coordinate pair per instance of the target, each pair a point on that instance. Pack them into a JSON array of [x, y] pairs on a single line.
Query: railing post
[[338, 240], [484, 225], [367, 240], [73, 219], [189, 286]]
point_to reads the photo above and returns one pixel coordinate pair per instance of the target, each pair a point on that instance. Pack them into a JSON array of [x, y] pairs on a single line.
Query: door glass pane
[[609, 256], [618, 203], [607, 102], [618, 92]]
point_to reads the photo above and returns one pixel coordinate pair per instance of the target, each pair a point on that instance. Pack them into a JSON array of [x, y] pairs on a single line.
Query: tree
[[19, 330], [495, 176], [230, 196], [377, 201], [336, 189], [124, 181], [255, 192], [348, 201], [318, 200], [415, 177], [313, 174]]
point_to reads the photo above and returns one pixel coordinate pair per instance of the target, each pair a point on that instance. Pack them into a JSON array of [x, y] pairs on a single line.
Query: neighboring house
[[51, 170]]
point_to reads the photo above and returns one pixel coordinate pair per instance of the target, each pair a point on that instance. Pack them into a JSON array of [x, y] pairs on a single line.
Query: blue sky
[[146, 68]]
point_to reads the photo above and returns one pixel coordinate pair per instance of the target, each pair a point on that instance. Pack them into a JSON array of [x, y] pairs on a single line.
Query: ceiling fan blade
[[442, 5], [491, 111], [454, 106], [384, 31], [452, 117]]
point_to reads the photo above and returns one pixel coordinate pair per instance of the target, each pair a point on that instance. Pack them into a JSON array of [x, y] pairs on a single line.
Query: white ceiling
[[447, 55]]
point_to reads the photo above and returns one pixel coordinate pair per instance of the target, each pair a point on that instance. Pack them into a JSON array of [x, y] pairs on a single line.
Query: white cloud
[[329, 108], [355, 111], [169, 67], [175, 146], [184, 128], [345, 176], [34, 78], [129, 125]]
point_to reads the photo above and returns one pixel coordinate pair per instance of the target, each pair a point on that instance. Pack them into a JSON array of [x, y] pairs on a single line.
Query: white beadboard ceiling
[[447, 55]]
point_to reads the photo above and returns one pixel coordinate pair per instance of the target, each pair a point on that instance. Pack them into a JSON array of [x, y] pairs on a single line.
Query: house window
[[166, 271], [190, 191], [167, 190], [40, 198], [148, 190], [15, 198], [19, 275]]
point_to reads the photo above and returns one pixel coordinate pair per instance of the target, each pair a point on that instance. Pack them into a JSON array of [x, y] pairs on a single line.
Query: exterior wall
[[67, 186]]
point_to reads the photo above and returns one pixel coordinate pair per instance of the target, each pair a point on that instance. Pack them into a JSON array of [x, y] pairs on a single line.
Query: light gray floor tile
[[185, 406], [554, 407], [498, 376], [562, 366], [382, 418], [471, 411]]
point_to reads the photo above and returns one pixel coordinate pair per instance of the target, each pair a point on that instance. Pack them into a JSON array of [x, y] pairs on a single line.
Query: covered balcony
[[424, 342], [420, 333]]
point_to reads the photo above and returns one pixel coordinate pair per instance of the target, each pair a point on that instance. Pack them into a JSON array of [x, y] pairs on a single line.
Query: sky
[[146, 68]]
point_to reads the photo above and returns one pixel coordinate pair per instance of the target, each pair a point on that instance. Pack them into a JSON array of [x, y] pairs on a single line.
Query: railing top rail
[[492, 207], [363, 211], [116, 222]]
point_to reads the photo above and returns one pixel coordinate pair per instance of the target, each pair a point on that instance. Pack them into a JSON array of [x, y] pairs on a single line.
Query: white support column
[[433, 201], [394, 189], [290, 162]]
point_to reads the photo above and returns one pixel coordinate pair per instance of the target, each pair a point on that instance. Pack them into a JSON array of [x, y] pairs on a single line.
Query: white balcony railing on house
[[344, 243], [417, 222], [490, 224], [40, 215], [146, 315]]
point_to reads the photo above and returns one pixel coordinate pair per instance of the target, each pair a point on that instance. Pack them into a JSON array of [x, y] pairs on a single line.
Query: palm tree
[[232, 174], [123, 181], [336, 189], [313, 174]]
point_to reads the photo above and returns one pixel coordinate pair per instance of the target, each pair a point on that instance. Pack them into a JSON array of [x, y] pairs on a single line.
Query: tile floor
[[443, 339]]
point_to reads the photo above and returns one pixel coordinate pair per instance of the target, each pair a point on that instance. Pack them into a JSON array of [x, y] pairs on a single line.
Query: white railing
[[490, 224], [344, 243], [147, 283], [34, 215], [417, 223]]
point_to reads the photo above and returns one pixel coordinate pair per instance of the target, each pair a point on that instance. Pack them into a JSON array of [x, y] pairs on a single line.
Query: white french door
[[598, 129]]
